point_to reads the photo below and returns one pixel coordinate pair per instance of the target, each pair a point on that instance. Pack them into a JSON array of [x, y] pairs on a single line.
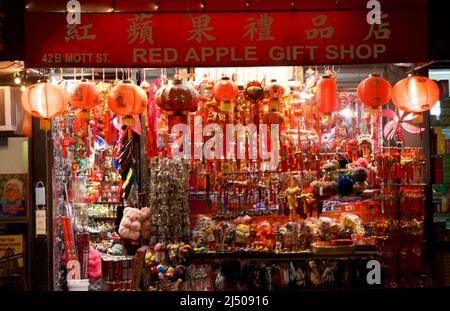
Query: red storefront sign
[[225, 39]]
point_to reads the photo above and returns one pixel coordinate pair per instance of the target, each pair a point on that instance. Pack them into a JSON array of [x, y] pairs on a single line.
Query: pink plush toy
[[94, 264], [130, 225], [145, 222]]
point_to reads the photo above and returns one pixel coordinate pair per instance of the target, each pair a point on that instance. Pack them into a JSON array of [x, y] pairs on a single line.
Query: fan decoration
[[398, 122]]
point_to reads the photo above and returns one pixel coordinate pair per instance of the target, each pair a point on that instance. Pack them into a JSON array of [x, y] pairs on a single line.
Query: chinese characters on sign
[[78, 32], [382, 31], [263, 38], [200, 29], [324, 32], [140, 28], [262, 27]]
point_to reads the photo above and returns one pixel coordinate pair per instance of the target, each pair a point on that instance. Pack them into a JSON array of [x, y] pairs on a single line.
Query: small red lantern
[[374, 91], [415, 94], [275, 89], [127, 99], [84, 95], [205, 90], [326, 95], [225, 90], [254, 91], [44, 100], [273, 117]]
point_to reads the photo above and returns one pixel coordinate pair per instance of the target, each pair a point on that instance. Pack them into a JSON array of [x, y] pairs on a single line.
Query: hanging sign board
[[225, 39]]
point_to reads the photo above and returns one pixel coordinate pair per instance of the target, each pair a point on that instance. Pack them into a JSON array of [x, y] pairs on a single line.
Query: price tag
[[41, 222]]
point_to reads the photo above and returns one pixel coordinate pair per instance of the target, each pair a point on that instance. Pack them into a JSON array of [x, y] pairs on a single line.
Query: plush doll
[[130, 226], [242, 234], [117, 250], [345, 184], [95, 263], [145, 222]]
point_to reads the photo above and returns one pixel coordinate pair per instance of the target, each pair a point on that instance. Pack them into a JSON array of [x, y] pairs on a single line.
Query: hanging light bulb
[[17, 79], [23, 88]]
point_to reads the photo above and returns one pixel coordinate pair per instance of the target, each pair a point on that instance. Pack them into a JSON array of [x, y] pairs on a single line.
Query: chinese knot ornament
[[127, 99], [326, 95], [374, 92], [84, 95], [415, 94]]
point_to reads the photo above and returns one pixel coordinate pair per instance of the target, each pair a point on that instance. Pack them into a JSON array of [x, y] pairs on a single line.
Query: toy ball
[[345, 184], [178, 273], [161, 268], [154, 269]]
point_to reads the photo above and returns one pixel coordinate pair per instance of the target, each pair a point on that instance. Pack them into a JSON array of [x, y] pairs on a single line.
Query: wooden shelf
[[5, 220], [277, 256]]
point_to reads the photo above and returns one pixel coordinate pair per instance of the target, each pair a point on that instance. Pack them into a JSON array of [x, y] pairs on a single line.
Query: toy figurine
[[292, 192]]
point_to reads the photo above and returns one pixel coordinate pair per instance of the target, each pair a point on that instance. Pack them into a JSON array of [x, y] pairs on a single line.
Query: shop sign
[[225, 39]]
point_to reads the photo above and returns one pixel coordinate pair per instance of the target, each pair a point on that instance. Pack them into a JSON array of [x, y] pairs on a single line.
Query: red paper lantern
[[272, 117], [84, 96], [44, 100], [205, 90], [415, 94], [374, 91], [326, 95], [127, 99], [177, 96], [254, 91], [225, 90], [275, 89]]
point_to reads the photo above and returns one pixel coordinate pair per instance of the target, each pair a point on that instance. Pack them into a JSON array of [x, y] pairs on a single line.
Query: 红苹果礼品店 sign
[[225, 39]]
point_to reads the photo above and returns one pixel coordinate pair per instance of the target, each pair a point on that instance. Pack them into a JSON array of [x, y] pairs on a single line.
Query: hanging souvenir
[[415, 94], [127, 99], [326, 96], [84, 95], [374, 92]]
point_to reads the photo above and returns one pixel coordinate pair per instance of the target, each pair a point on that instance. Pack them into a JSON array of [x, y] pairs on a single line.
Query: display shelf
[[278, 256], [103, 217], [110, 203], [5, 220]]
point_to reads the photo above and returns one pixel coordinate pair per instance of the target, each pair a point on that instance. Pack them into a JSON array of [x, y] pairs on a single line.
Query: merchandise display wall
[[129, 215]]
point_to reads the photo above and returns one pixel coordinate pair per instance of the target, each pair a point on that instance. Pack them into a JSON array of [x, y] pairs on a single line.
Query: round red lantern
[[177, 96], [415, 94], [374, 91], [272, 117], [84, 95], [225, 90], [127, 99], [326, 95], [44, 100], [205, 90], [275, 89], [254, 91]]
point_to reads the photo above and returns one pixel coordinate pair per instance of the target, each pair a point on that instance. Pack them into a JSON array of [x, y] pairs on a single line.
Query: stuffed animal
[[242, 234], [117, 250], [95, 263], [130, 225]]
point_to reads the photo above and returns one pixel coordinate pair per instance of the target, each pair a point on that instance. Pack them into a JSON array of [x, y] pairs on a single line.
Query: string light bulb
[[17, 79], [23, 88]]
